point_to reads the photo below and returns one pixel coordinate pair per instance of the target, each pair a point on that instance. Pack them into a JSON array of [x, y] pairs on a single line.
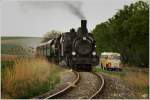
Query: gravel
[[116, 88], [87, 85]]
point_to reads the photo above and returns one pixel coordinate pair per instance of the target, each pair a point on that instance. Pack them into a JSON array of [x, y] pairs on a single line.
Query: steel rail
[[67, 88], [101, 87]]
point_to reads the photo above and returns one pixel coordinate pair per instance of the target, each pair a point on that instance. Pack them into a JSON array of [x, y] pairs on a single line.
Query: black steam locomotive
[[75, 49]]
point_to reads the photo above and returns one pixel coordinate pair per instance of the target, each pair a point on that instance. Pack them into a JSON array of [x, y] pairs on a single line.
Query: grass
[[136, 77], [14, 49], [28, 77], [11, 49], [112, 73], [139, 80], [15, 37], [11, 37], [23, 76]]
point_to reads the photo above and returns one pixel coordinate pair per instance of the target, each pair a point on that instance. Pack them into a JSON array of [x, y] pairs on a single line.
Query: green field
[[18, 45]]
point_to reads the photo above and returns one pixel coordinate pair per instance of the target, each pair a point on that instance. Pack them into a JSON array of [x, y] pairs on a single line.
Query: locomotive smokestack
[[83, 27], [83, 23]]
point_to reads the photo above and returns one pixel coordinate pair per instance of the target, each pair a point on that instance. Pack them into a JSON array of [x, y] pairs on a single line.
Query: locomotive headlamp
[[84, 38], [93, 53], [73, 53]]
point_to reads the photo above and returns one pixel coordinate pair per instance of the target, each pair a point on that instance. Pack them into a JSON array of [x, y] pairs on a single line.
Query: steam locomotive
[[76, 49]]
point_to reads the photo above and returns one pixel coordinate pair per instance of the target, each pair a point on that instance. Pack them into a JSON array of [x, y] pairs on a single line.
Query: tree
[[50, 35], [127, 32]]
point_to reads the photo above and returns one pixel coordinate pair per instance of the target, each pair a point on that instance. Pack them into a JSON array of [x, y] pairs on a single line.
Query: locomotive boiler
[[77, 49]]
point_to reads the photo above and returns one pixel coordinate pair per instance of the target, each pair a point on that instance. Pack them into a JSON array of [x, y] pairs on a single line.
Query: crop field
[[19, 45], [22, 41]]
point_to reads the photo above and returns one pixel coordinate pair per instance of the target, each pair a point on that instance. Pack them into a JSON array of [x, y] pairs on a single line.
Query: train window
[[44, 50], [40, 50], [37, 50], [48, 50]]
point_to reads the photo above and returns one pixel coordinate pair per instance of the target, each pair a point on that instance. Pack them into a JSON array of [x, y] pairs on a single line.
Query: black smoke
[[74, 7]]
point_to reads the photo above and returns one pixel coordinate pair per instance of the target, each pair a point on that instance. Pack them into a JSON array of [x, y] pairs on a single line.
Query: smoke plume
[[74, 7]]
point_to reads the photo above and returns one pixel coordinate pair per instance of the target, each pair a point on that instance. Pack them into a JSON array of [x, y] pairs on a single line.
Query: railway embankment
[[130, 83]]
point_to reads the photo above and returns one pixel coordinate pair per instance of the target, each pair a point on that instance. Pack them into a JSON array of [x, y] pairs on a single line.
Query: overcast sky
[[35, 17]]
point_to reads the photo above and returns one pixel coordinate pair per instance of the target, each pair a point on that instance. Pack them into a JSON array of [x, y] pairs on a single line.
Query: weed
[[28, 78], [113, 73], [136, 77]]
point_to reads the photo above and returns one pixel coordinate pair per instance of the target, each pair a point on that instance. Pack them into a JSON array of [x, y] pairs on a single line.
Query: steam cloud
[[74, 7]]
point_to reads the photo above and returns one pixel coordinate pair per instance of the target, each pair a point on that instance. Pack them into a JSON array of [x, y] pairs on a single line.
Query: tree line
[[127, 32]]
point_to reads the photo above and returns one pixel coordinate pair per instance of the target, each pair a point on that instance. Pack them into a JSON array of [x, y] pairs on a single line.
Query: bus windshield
[[115, 57]]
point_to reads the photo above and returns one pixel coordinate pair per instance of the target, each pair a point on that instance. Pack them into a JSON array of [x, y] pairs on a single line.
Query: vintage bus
[[110, 61]]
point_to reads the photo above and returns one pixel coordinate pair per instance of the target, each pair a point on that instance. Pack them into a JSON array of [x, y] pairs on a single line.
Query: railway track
[[70, 85], [73, 85], [100, 87]]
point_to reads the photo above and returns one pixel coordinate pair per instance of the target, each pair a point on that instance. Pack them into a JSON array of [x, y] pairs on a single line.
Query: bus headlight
[[93, 53], [73, 53]]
